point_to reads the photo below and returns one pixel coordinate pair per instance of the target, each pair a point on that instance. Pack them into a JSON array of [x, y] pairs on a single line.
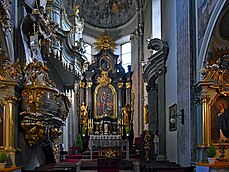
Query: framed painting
[[105, 101], [172, 117], [105, 63], [219, 119]]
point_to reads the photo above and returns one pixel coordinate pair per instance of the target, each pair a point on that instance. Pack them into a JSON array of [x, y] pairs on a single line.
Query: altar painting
[[105, 97], [220, 120]]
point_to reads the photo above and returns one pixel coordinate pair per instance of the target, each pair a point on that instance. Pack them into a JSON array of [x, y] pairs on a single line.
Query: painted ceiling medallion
[[105, 42], [106, 13]]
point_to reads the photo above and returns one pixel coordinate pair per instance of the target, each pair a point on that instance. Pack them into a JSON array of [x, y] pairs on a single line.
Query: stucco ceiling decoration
[[106, 13]]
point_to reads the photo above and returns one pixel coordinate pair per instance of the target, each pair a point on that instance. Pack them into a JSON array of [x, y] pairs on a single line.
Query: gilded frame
[[173, 117], [113, 101], [214, 111]]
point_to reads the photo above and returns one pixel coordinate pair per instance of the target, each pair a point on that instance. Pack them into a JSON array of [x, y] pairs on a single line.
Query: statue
[[84, 114], [126, 113]]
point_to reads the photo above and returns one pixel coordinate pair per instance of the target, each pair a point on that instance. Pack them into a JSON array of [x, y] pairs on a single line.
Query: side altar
[[106, 100]]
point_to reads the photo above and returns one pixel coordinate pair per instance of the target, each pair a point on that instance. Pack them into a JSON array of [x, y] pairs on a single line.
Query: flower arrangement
[[2, 157], [211, 151], [79, 142]]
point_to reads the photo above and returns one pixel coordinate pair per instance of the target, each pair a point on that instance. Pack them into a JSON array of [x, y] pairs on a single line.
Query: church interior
[[114, 85]]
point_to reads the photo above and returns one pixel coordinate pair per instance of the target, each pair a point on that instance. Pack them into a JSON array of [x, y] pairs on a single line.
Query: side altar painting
[[220, 120], [106, 98]]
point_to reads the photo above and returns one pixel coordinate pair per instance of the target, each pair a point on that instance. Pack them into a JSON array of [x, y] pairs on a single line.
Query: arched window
[[88, 52], [126, 55]]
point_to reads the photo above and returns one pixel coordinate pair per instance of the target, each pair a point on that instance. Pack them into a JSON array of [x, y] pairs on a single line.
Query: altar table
[[107, 145]]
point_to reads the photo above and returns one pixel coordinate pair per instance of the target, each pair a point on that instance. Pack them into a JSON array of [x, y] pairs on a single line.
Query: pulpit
[[106, 100]]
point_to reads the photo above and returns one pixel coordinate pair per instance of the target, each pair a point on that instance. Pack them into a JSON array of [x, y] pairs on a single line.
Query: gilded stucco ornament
[[216, 68], [8, 70], [105, 42], [44, 108], [104, 79]]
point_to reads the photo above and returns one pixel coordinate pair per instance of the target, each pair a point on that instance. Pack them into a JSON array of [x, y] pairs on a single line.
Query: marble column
[[161, 118], [120, 99], [152, 101], [89, 97], [128, 93], [154, 72], [82, 91]]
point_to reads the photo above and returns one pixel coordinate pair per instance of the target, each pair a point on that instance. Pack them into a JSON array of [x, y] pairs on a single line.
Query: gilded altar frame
[[112, 103]]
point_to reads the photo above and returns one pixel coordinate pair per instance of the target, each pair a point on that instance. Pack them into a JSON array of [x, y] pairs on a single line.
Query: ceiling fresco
[[106, 13]]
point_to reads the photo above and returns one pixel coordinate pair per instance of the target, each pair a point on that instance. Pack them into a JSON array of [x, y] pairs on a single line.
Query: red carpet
[[74, 156], [70, 160]]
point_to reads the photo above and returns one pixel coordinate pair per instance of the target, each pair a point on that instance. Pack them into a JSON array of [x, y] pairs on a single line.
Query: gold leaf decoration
[[104, 79], [105, 42]]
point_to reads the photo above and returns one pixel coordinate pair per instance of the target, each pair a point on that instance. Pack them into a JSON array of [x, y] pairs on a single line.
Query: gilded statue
[[146, 114], [126, 111], [84, 114]]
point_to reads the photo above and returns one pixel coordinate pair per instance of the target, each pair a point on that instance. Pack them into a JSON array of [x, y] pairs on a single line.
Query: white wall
[[169, 34]]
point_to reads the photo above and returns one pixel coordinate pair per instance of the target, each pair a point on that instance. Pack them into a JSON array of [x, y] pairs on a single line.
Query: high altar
[[106, 100]]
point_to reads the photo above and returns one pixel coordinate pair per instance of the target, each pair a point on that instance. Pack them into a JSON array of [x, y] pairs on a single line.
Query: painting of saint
[[220, 120], [105, 64], [104, 101]]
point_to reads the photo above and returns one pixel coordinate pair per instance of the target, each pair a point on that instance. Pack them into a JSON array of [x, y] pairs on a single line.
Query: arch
[[207, 36]]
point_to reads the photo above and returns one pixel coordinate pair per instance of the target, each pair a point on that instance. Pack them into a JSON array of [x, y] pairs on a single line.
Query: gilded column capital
[[120, 84], [89, 84], [128, 85], [10, 99], [82, 84]]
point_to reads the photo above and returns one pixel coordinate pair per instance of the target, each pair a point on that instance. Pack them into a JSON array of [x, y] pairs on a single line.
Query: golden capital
[[89, 84], [128, 85], [82, 84], [10, 98], [120, 85]]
